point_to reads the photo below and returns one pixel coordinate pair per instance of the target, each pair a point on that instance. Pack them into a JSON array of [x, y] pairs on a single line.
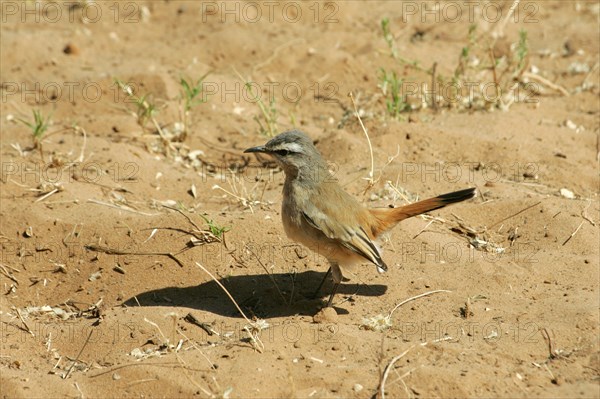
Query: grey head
[[294, 152]]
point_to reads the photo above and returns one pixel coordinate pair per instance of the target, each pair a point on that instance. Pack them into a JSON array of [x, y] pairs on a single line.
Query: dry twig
[[372, 171], [226, 292], [546, 82], [8, 274], [573, 234], [112, 251], [24, 323], [584, 214], [268, 273], [515, 214], [499, 31], [387, 371], [77, 357], [415, 297]]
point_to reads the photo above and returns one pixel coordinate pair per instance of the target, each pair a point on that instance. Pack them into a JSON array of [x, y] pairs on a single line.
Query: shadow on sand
[[256, 295]]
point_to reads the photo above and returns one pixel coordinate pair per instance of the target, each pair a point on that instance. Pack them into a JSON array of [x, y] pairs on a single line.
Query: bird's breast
[[295, 200]]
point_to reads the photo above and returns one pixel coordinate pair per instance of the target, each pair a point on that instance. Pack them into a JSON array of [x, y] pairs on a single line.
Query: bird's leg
[[337, 277], [333, 291], [322, 282]]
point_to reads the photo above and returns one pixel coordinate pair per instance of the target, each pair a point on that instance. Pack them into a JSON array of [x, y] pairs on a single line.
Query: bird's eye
[[283, 153]]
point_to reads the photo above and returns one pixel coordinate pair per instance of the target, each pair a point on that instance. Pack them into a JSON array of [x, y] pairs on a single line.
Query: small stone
[[95, 276], [116, 377], [570, 124], [558, 380], [326, 315], [519, 376], [567, 193], [357, 387], [71, 49], [578, 68]]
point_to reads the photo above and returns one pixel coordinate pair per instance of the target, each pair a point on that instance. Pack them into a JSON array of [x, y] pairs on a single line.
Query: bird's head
[[294, 151]]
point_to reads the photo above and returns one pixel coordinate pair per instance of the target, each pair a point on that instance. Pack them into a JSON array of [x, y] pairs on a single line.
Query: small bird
[[319, 214]]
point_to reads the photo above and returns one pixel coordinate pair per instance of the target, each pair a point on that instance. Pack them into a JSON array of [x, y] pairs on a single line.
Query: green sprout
[[145, 106], [214, 228], [391, 88], [389, 38], [38, 127], [522, 49], [192, 91]]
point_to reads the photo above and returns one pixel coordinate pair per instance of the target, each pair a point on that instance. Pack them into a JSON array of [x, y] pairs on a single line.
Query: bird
[[318, 213]]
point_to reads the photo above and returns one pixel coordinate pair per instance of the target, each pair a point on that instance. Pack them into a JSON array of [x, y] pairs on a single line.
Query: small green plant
[[522, 50], [293, 120], [192, 92], [506, 70], [391, 88], [145, 105], [214, 228], [463, 61], [389, 38], [191, 95], [146, 108], [38, 127], [267, 121]]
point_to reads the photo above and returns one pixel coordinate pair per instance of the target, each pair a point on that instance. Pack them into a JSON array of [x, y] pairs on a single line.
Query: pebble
[[570, 124], [71, 49], [567, 193], [326, 315]]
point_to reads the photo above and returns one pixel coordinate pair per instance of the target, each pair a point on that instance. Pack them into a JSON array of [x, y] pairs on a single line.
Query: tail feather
[[388, 218]]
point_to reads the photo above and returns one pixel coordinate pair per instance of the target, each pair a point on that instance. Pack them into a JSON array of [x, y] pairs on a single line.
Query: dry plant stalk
[[413, 298], [68, 373], [381, 322], [400, 356], [364, 129], [255, 326], [247, 199]]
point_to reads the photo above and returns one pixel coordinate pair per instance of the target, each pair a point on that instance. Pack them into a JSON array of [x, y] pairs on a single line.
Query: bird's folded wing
[[353, 238]]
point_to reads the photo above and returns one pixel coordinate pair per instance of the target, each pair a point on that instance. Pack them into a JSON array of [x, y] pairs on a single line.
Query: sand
[[99, 272]]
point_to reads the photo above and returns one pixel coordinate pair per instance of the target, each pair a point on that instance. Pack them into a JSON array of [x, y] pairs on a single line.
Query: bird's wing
[[345, 229]]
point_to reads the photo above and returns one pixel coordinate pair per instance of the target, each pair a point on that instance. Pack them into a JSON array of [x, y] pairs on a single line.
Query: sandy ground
[[93, 305]]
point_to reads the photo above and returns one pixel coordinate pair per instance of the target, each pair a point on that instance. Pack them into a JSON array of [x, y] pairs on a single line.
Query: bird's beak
[[260, 148]]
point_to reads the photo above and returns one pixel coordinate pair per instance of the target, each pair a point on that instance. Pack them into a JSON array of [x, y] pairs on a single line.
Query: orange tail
[[388, 218]]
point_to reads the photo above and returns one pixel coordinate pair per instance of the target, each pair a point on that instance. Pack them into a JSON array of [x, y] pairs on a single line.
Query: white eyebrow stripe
[[291, 147]]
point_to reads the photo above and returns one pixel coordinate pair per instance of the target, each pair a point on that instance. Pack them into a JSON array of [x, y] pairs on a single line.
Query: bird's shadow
[[257, 295]]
